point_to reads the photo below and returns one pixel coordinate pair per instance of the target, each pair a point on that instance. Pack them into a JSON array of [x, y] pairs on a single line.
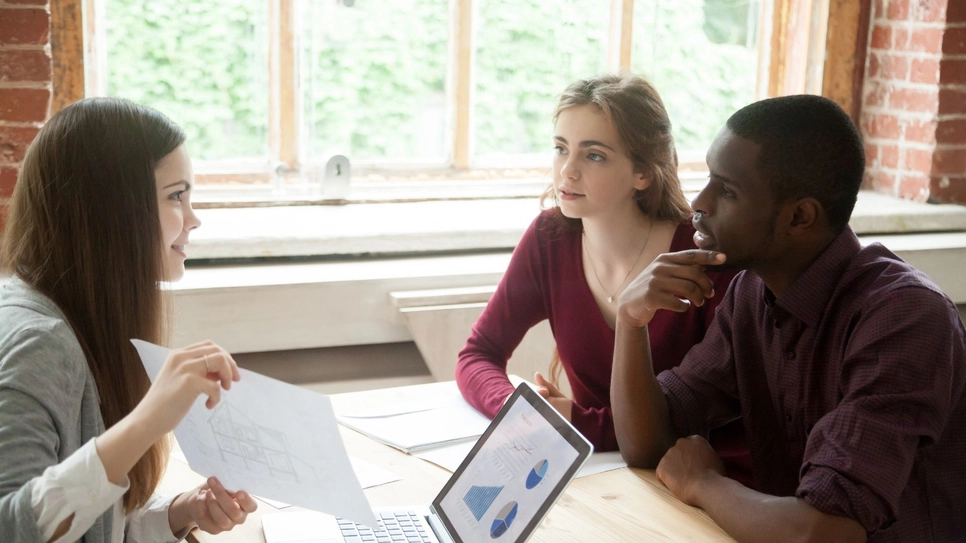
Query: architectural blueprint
[[271, 439]]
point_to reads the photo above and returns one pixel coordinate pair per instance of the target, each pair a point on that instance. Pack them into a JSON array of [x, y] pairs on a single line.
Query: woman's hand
[[211, 508], [554, 397], [202, 368]]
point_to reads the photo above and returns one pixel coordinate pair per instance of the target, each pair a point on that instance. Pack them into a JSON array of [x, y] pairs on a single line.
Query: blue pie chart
[[537, 474], [503, 520]]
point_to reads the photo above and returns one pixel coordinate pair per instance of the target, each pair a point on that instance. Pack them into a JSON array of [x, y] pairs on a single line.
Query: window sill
[[465, 225], [274, 306]]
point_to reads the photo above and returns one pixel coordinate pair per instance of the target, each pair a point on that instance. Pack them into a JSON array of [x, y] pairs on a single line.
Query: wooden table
[[620, 505]]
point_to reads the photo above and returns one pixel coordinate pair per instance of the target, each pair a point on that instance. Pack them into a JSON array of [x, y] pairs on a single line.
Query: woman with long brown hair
[[619, 205], [99, 218]]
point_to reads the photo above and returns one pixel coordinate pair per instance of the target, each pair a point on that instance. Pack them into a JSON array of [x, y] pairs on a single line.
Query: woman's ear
[[642, 181]]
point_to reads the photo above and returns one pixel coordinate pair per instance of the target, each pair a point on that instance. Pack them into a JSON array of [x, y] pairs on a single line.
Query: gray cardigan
[[48, 405]]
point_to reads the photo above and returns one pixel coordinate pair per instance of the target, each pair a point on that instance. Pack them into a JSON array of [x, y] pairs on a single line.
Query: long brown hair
[[83, 229], [644, 128]]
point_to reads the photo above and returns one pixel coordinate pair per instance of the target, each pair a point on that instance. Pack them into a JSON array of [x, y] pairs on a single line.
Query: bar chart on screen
[[480, 498]]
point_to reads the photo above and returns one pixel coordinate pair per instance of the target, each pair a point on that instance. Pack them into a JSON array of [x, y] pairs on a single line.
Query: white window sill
[[407, 228], [283, 305]]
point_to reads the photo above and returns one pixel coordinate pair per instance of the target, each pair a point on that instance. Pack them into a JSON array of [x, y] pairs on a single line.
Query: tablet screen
[[514, 474]]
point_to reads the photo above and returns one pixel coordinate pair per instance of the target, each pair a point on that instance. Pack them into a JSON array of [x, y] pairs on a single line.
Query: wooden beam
[[283, 83], [797, 33], [845, 53], [95, 49], [815, 48], [627, 33], [796, 54], [67, 50], [766, 30], [776, 49], [620, 42], [463, 84]]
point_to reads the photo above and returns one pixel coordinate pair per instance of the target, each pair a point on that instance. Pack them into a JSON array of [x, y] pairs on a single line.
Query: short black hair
[[809, 148]]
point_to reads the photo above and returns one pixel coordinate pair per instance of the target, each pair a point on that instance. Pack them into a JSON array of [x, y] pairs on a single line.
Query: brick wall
[[914, 100], [25, 83]]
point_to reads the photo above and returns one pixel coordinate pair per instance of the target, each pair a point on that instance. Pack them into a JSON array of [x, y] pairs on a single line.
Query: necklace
[[593, 267]]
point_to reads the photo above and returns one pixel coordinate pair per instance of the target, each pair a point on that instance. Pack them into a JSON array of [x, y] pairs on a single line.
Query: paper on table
[[271, 439], [274, 503], [601, 462], [450, 457], [371, 475], [368, 473], [451, 420], [403, 408]]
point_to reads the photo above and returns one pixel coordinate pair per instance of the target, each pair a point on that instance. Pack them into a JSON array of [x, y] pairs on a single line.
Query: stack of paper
[[432, 422], [412, 419], [449, 457]]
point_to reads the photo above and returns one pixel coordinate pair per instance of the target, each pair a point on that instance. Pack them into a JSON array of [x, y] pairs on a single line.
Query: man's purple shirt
[[850, 387]]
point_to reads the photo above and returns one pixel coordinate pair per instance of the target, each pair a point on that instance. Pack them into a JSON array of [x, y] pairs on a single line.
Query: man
[[845, 363]]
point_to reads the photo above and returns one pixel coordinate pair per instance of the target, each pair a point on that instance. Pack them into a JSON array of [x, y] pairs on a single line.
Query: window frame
[[793, 42]]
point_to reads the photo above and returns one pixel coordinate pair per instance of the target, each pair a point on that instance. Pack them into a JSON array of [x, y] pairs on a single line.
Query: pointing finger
[[697, 257]]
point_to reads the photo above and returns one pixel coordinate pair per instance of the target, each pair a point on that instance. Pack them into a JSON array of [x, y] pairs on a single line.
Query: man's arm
[[693, 472], [640, 412], [751, 516], [641, 420]]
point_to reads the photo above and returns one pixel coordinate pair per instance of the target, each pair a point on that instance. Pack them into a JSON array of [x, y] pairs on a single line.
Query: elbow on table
[[642, 449], [826, 528], [640, 457]]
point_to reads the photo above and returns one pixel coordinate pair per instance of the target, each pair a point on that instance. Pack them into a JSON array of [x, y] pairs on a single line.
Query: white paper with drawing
[[271, 439]]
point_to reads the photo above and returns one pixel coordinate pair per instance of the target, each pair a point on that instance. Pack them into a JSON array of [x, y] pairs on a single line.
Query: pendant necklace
[[593, 267]]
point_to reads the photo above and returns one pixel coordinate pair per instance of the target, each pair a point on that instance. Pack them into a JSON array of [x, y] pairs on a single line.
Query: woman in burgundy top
[[620, 204]]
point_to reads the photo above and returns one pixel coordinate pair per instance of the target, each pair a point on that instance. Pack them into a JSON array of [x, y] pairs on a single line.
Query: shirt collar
[[808, 296]]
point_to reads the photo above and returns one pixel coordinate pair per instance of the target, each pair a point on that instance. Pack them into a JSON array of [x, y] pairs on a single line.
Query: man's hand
[[686, 465], [554, 397], [673, 281]]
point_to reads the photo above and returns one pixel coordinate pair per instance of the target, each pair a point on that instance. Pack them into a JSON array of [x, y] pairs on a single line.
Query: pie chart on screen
[[503, 520], [537, 474]]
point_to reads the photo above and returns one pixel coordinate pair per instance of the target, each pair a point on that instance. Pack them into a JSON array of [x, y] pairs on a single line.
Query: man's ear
[[805, 215], [642, 180]]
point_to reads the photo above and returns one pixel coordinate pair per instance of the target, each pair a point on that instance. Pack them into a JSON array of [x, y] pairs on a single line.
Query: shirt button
[[790, 355], [93, 495]]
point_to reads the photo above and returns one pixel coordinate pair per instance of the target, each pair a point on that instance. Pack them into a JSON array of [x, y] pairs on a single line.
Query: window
[[373, 80], [526, 53], [703, 56], [411, 89], [201, 63]]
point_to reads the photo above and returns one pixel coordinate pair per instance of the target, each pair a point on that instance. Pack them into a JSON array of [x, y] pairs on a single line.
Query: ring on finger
[[207, 367]]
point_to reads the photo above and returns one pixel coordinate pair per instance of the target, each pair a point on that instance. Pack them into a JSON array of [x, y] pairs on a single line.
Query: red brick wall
[[914, 100], [25, 83], [948, 182]]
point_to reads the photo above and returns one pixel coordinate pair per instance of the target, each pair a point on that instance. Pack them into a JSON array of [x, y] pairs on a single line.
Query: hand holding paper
[[272, 439]]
